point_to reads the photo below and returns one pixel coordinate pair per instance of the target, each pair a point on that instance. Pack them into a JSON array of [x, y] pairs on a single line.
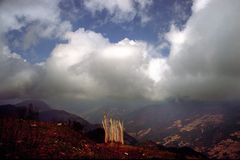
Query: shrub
[[113, 130]]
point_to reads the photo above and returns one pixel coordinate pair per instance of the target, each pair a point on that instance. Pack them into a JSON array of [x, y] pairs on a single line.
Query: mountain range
[[32, 129], [212, 128]]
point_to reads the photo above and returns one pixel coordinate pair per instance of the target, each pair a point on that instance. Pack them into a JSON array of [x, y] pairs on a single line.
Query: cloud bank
[[89, 67], [204, 56], [203, 62]]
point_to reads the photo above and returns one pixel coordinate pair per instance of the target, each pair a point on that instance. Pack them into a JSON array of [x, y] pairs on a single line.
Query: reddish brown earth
[[40, 140]]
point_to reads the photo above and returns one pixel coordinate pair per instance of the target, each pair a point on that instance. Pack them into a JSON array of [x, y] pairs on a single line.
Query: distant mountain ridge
[[204, 126], [38, 104]]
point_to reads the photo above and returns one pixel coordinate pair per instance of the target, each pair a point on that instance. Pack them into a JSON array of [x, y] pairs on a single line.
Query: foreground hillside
[[40, 140]]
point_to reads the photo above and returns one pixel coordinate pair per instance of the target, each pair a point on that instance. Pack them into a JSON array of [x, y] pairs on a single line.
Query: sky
[[132, 51]]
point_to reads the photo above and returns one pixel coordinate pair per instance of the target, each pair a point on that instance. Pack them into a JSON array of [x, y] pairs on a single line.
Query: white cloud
[[121, 10], [204, 58], [157, 69], [41, 17], [90, 67], [16, 75], [199, 5], [176, 38], [15, 14]]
